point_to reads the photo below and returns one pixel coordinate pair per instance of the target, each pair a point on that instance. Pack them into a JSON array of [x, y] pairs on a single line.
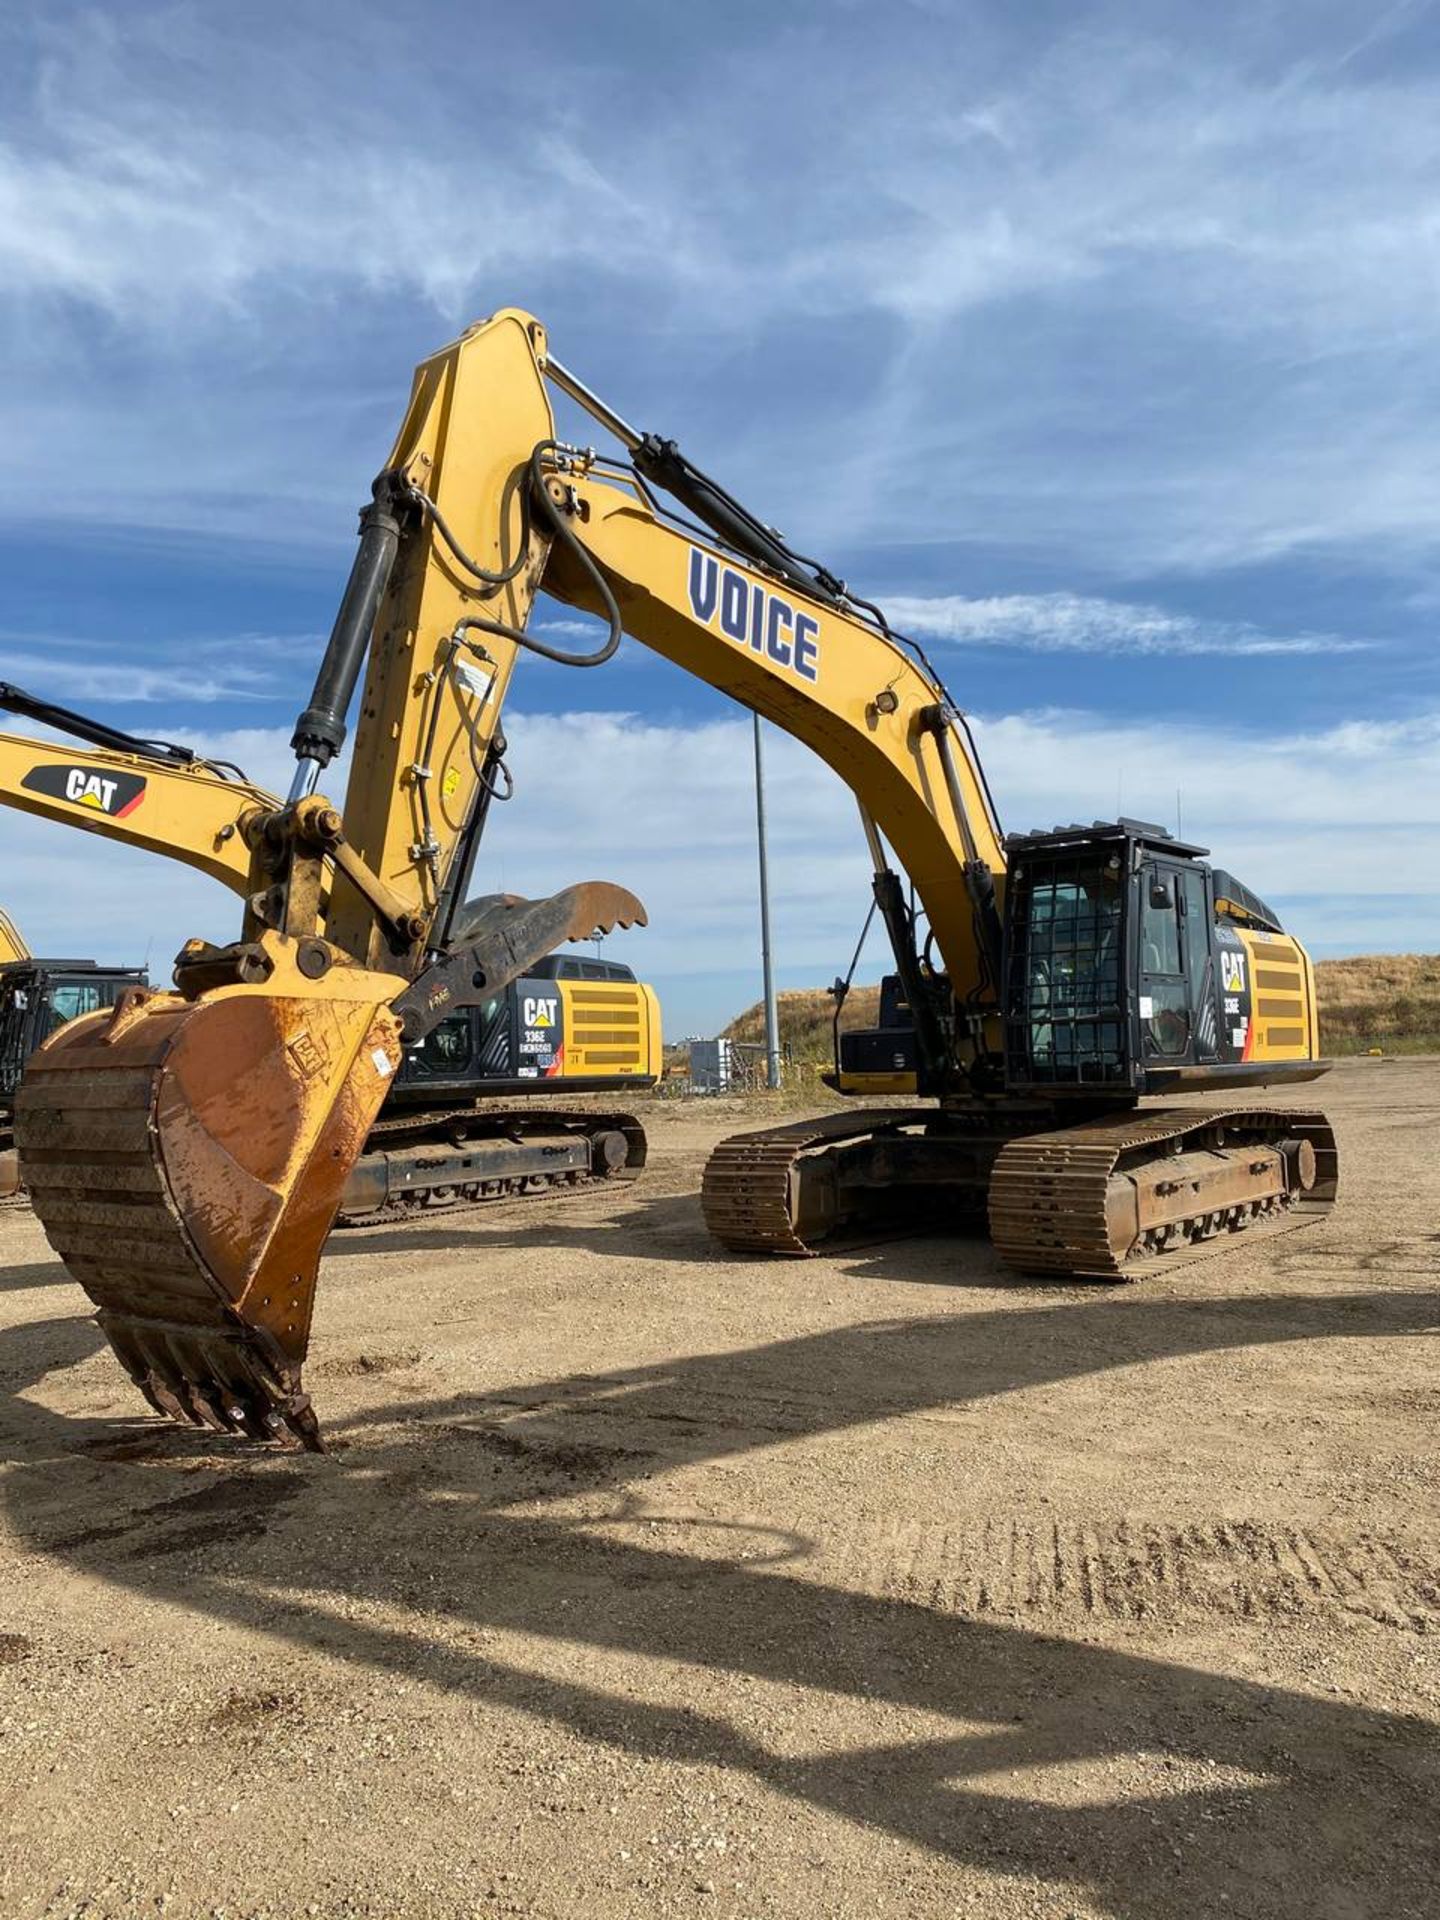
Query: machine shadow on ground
[[1328, 1810], [44, 1273], [671, 1227]]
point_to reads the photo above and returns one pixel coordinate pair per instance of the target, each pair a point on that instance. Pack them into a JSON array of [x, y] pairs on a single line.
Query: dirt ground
[[643, 1580]]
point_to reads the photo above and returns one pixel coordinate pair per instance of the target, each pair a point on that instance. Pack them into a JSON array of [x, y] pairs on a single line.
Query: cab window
[[446, 1048], [69, 999], [1160, 926]]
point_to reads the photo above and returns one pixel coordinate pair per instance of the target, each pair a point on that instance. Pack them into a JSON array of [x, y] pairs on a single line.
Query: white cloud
[[1077, 623], [1341, 822], [58, 675], [135, 191], [1147, 297]]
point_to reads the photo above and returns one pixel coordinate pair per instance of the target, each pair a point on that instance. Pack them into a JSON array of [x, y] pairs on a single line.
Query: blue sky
[[1097, 342]]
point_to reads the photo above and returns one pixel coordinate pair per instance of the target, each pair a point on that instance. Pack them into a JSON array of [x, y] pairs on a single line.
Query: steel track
[[1047, 1191]]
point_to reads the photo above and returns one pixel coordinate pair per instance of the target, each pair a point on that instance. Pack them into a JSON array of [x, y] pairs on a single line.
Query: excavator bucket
[[187, 1153], [186, 1159]]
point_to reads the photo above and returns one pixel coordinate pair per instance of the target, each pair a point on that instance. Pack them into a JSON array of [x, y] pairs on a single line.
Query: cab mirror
[[1160, 894]]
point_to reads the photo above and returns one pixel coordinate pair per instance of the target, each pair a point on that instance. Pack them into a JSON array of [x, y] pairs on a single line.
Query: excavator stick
[[187, 1153]]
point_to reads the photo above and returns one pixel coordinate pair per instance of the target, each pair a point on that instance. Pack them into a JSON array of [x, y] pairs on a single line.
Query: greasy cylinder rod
[[627, 435], [979, 880], [320, 730], [939, 720]]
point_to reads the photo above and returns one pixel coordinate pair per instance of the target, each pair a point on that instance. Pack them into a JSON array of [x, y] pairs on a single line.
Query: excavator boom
[[1038, 1014], [187, 811]]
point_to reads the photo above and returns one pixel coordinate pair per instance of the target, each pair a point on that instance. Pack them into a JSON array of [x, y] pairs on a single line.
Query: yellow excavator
[[449, 1134], [188, 1151]]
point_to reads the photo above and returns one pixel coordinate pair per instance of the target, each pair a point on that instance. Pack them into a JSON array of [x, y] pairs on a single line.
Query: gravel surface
[[642, 1580]]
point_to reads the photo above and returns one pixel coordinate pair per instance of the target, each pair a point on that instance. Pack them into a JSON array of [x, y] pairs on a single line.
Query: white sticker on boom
[[476, 680], [1147, 1007], [382, 1063]]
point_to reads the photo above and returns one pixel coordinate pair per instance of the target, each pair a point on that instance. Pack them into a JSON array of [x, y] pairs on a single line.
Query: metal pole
[[772, 1011]]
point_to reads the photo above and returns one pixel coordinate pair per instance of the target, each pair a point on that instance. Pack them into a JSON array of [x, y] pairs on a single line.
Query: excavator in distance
[[451, 1133], [573, 1025], [36, 996], [187, 1152]]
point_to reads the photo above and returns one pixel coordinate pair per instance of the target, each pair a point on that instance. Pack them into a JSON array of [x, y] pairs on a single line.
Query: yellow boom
[[186, 812]]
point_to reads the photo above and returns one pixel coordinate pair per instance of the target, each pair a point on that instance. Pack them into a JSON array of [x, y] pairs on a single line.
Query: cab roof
[[1105, 832]]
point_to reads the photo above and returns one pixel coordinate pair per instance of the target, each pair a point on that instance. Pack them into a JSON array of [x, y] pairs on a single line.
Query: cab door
[[1166, 998], [1177, 978], [1197, 927]]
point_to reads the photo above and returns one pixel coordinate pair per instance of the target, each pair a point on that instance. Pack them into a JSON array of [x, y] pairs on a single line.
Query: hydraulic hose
[[80, 725], [563, 532], [471, 566]]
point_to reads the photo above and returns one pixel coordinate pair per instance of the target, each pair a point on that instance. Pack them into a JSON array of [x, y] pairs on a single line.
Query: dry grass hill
[[1387, 1000]]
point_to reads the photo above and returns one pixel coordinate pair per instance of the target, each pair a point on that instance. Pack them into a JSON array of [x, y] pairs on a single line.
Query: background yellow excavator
[[12, 943], [574, 1024], [188, 1152]]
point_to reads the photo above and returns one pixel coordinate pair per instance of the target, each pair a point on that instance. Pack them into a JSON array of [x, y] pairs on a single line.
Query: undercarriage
[[417, 1162], [1116, 1195]]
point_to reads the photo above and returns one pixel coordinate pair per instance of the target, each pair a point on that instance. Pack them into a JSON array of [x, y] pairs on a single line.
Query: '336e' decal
[[101, 789]]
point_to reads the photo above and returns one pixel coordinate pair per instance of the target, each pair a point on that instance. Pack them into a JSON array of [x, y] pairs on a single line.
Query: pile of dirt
[[807, 1018]]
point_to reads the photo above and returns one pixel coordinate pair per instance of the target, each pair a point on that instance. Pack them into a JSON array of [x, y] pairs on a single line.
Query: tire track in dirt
[[1134, 1569]]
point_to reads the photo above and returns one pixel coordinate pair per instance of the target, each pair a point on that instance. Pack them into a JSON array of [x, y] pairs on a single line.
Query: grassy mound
[[806, 1022], [1386, 1000]]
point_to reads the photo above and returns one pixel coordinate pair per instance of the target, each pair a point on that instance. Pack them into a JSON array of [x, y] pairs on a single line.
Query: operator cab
[[1133, 967]]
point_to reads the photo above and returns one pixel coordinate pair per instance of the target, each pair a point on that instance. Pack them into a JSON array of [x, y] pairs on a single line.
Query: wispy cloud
[[1154, 296], [61, 676], [1078, 623], [162, 204]]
